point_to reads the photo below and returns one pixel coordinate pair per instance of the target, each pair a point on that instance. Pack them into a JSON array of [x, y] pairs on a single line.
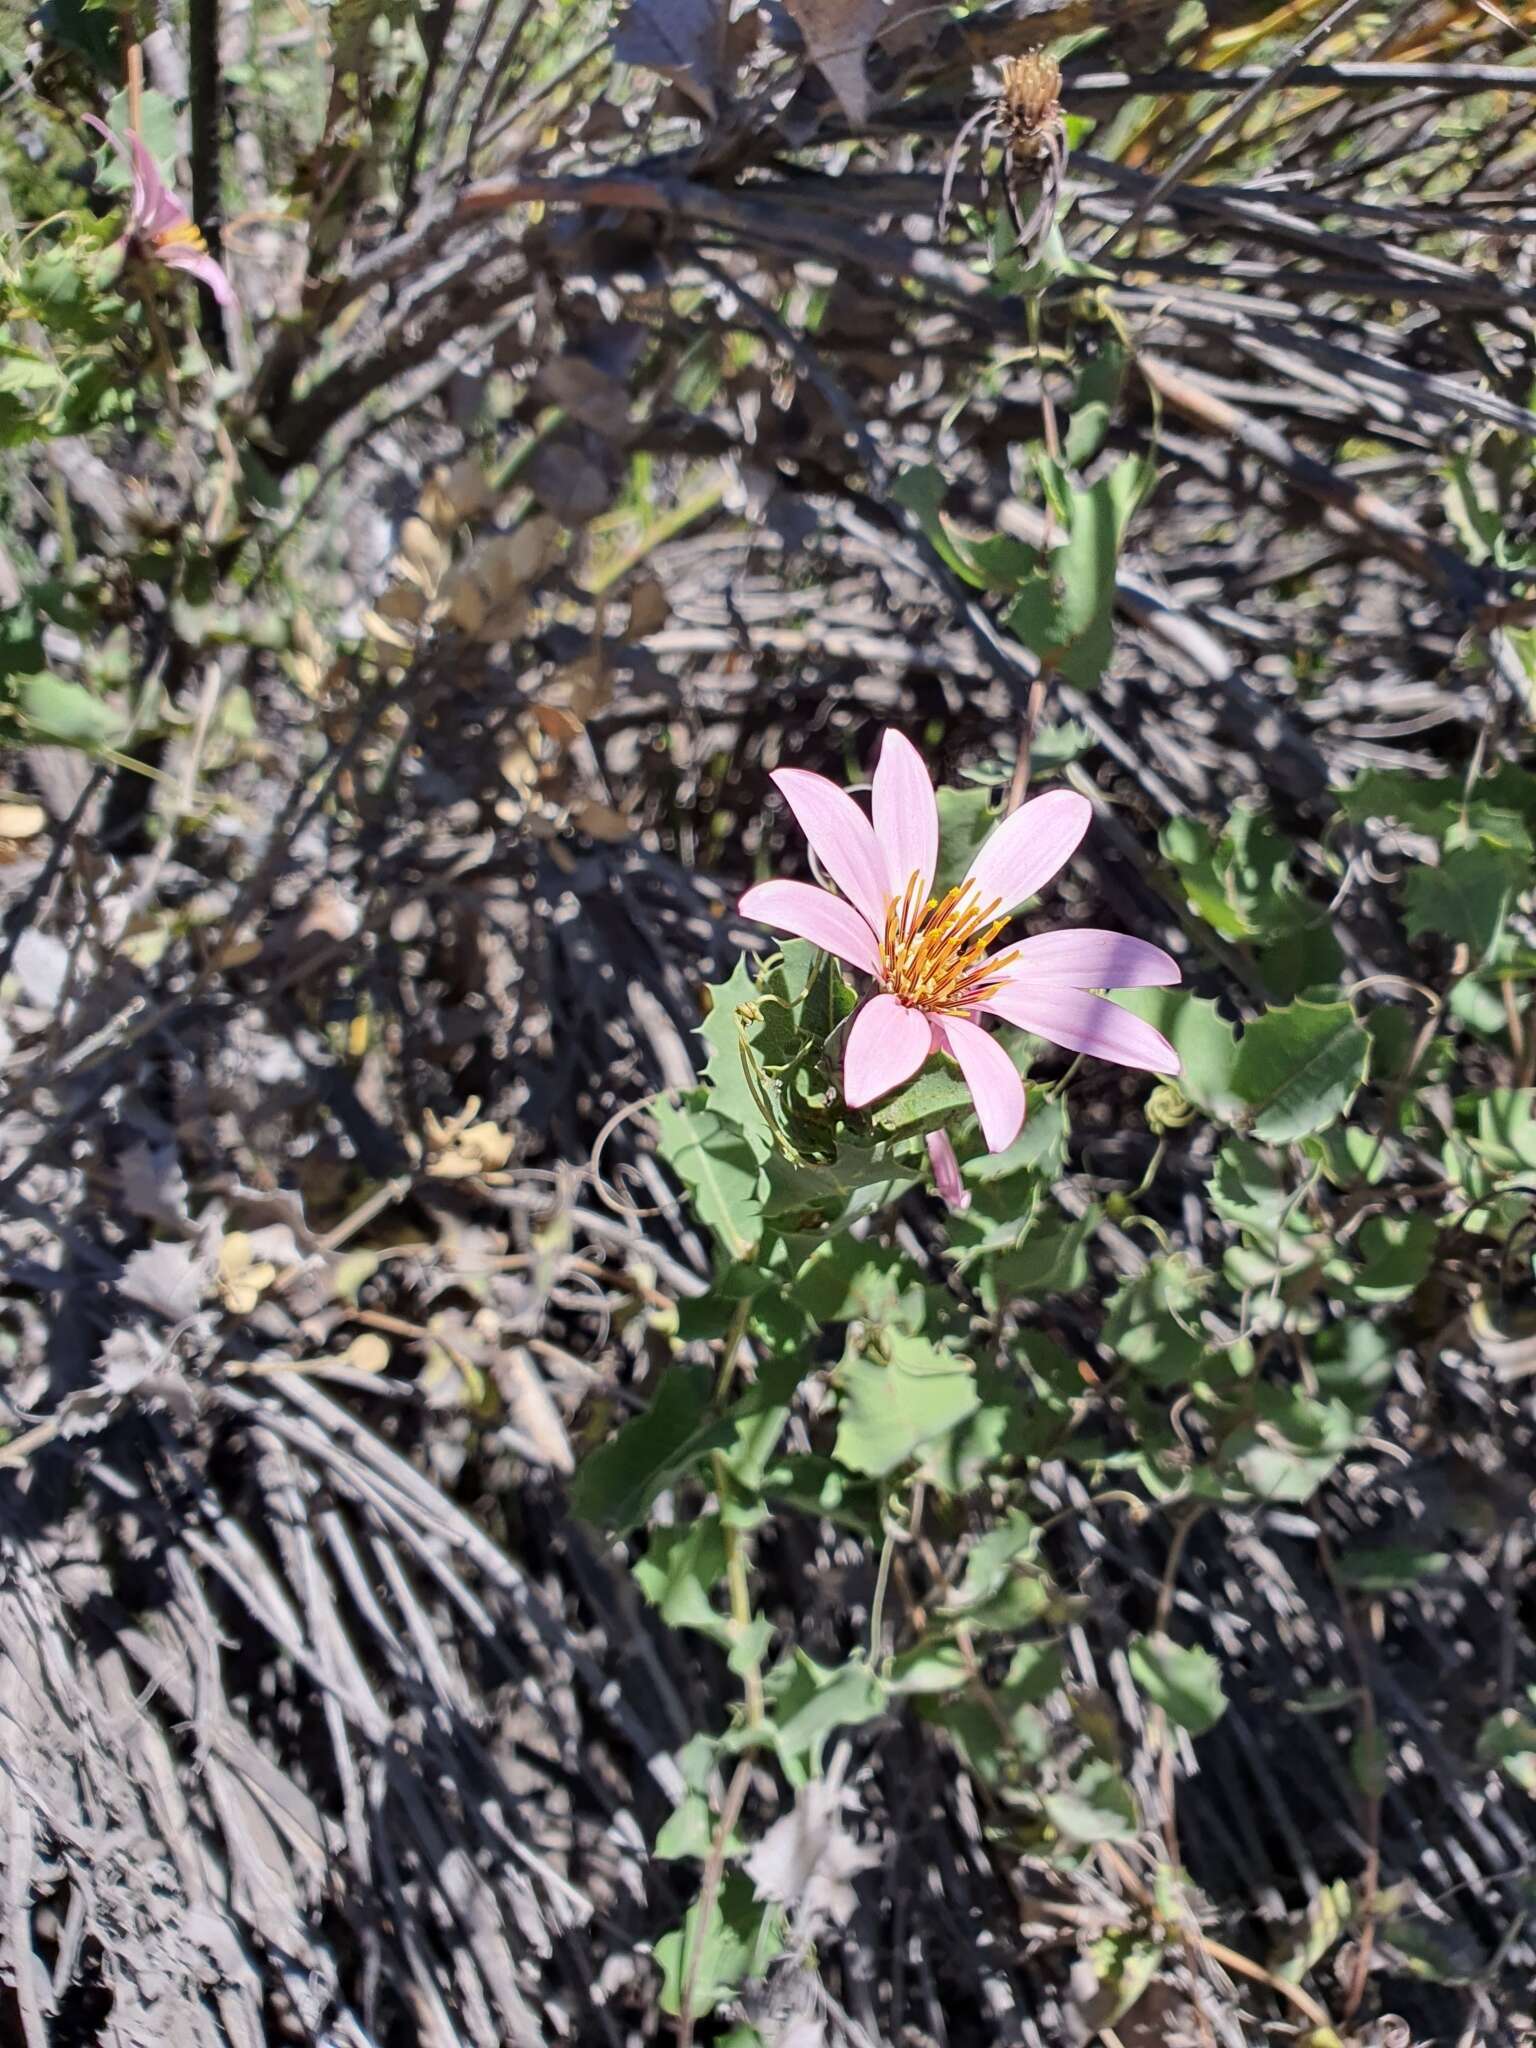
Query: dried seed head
[[1031, 95]]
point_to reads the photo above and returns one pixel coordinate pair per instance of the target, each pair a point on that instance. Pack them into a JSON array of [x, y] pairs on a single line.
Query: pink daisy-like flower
[[159, 228], [929, 957]]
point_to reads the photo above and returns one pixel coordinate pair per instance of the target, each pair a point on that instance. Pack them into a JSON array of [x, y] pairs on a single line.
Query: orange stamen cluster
[[184, 235], [934, 955]]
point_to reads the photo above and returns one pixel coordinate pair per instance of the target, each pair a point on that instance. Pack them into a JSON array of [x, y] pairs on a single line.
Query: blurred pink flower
[[953, 1191], [930, 958], [159, 229]]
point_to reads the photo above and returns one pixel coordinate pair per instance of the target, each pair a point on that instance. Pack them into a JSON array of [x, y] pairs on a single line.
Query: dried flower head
[[1025, 118], [1031, 99]]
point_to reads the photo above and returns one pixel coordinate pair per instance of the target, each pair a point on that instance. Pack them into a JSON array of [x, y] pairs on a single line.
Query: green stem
[[877, 1605], [666, 528], [1151, 1173], [731, 1351], [741, 1597], [165, 361], [883, 1573], [1059, 1088], [63, 520], [503, 476], [714, 1869]]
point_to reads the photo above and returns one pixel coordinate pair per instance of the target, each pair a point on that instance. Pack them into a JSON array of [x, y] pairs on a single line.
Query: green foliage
[[1507, 1743], [1204, 1041], [893, 1405], [35, 703], [1241, 882], [1481, 861], [1237, 879], [712, 1156], [50, 707], [827, 1376], [929, 1102], [1063, 610], [1094, 1806], [738, 1941], [1093, 405], [1388, 1566], [1061, 599], [80, 359], [1467, 897], [810, 1701], [1184, 1681], [1153, 1323], [1297, 1069], [1325, 1921], [1125, 1962], [966, 816], [63, 327]]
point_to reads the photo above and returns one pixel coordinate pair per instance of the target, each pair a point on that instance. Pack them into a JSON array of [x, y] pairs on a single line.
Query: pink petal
[[992, 1078], [138, 216], [1022, 853], [198, 263], [151, 207], [1085, 958], [155, 207], [841, 837], [906, 816], [886, 1046], [107, 135], [814, 914], [952, 1190], [1084, 1023]]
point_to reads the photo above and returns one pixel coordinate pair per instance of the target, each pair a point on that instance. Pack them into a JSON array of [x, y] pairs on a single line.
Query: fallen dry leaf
[[838, 34], [169, 1278], [388, 640], [600, 821], [238, 953], [588, 393], [513, 559], [487, 597], [460, 1148], [808, 1857], [456, 494], [20, 819], [422, 557], [403, 604], [683, 40], [556, 723], [649, 607], [584, 687], [242, 1277]]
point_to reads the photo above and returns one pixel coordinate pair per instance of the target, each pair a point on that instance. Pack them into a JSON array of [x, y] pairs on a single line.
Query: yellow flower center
[[934, 954], [183, 236]]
